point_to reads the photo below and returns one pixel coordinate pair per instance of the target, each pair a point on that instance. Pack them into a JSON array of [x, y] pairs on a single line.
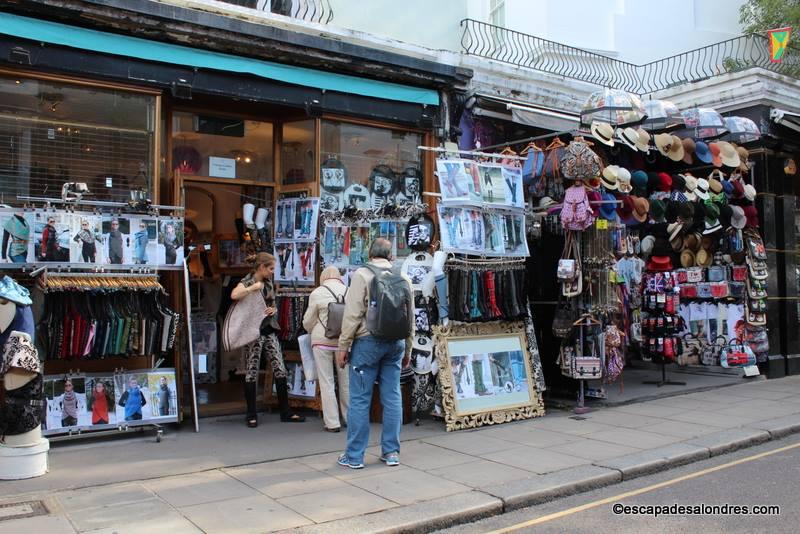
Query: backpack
[[390, 298], [576, 214], [579, 162], [335, 315]]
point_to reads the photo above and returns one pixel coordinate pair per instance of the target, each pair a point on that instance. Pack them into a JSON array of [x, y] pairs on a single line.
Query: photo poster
[[466, 230], [333, 180], [18, 236], [144, 240], [466, 182], [101, 400], [86, 238], [359, 245], [454, 182], [51, 235], [163, 402], [489, 373], [284, 219], [335, 246], [296, 382], [116, 246], [170, 250], [133, 395], [306, 218], [65, 399], [285, 264], [493, 188], [305, 262]]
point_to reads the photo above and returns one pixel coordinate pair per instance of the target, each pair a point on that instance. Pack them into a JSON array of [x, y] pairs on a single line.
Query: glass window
[[366, 166], [53, 132], [222, 147], [297, 152]]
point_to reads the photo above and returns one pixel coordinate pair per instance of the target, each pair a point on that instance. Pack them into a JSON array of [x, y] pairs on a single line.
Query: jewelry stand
[[664, 381]]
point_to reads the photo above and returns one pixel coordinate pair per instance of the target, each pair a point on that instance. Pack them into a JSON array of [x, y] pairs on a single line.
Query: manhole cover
[[20, 510], [578, 418]]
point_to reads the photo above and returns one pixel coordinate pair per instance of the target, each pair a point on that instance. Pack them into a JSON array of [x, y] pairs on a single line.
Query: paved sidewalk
[[444, 479]]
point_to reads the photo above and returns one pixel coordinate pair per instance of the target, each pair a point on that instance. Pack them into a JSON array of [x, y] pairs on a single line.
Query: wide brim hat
[[663, 143], [738, 219], [744, 155], [676, 151], [749, 192], [702, 152], [643, 143], [628, 136], [11, 290], [641, 207], [688, 149], [727, 187], [608, 209], [609, 178], [728, 154], [714, 148], [692, 242], [603, 132], [624, 180], [687, 258]]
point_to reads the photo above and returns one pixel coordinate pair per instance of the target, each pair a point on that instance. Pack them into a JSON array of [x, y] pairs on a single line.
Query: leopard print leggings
[[271, 347]]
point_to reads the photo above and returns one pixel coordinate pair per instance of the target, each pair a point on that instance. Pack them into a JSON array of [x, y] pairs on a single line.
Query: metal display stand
[[664, 381], [80, 433]]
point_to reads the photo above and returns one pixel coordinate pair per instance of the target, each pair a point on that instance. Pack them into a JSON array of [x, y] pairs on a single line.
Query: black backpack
[[390, 298]]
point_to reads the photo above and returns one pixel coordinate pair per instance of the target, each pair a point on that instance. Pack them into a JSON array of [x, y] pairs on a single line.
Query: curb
[[495, 500]]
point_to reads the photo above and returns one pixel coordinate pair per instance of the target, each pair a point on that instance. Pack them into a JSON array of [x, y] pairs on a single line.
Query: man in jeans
[[372, 359]]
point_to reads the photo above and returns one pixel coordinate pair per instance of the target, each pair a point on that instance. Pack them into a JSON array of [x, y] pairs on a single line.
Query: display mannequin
[[247, 215], [263, 237]]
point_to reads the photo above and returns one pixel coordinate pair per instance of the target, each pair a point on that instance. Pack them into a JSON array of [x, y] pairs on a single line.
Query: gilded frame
[[456, 419]]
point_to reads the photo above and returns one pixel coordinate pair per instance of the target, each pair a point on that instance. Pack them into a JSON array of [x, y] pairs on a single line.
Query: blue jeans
[[18, 258], [370, 359]]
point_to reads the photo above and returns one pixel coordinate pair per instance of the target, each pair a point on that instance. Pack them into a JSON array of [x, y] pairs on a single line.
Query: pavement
[[228, 477]]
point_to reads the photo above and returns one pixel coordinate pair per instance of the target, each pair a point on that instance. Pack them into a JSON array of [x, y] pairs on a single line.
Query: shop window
[[53, 132], [297, 152], [366, 167], [222, 147]]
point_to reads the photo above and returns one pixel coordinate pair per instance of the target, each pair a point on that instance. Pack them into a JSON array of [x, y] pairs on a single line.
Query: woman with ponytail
[[260, 279]]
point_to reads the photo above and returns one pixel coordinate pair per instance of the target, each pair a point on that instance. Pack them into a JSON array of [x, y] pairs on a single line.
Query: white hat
[[643, 143], [728, 154], [628, 136], [603, 132], [749, 192], [702, 189], [664, 143], [546, 202], [609, 178], [624, 180]]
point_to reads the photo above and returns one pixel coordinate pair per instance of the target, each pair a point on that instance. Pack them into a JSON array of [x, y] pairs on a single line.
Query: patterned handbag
[[737, 355]]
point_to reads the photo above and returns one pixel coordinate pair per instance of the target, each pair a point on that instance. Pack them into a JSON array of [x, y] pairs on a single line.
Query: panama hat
[[674, 230], [603, 132], [687, 258], [676, 151], [728, 154], [703, 258], [624, 180], [643, 142], [702, 189], [609, 178], [628, 136]]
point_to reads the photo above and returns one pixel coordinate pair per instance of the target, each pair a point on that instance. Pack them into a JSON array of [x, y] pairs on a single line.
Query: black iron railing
[[509, 46], [308, 10]]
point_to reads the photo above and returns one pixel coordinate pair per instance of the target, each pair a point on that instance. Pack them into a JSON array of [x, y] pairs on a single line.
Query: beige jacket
[[356, 301], [317, 312]]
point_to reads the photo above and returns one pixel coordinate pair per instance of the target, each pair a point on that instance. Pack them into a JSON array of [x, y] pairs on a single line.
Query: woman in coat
[[315, 320]]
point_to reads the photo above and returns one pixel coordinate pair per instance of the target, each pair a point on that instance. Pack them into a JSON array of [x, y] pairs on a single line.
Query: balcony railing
[[740, 53], [309, 10]]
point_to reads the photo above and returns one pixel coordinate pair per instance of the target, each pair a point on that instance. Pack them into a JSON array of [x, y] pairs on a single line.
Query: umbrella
[[703, 123], [614, 106], [662, 115], [741, 130]]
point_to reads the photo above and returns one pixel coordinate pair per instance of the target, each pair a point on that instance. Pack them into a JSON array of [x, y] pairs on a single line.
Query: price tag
[[601, 224]]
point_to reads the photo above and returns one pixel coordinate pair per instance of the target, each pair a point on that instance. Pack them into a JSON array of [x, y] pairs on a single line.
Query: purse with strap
[[335, 315], [242, 324]]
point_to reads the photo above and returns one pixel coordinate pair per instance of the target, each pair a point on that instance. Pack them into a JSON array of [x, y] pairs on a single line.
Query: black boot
[[250, 397], [283, 403]]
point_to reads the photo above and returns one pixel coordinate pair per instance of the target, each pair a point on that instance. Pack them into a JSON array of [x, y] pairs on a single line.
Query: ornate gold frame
[[455, 421]]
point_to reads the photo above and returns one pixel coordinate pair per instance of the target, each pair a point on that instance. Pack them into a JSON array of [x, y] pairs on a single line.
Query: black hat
[[419, 232], [725, 214], [686, 211], [653, 182], [678, 183], [672, 211], [662, 247]]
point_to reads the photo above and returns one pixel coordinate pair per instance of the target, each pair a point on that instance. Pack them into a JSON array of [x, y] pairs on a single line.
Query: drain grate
[[21, 510]]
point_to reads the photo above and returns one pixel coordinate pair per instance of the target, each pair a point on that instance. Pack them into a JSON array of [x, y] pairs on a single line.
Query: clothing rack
[[535, 138], [496, 155]]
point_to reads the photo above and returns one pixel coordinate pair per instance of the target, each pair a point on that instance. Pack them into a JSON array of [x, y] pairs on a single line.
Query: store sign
[[221, 167]]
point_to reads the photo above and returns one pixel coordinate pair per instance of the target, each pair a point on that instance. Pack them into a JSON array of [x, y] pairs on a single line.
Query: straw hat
[[641, 207], [664, 143], [643, 143], [609, 178], [688, 149], [728, 154], [676, 151], [628, 136], [603, 132], [687, 258], [624, 180]]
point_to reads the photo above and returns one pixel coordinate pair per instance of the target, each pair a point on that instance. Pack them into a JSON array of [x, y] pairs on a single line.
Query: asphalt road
[[772, 479]]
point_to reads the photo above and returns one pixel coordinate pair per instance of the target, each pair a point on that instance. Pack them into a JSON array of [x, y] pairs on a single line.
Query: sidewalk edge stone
[[779, 427], [730, 440]]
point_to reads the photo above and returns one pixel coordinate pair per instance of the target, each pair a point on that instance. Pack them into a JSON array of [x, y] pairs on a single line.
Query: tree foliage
[[758, 16]]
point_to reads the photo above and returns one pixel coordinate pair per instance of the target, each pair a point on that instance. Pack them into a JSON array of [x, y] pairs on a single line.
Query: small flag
[[778, 41]]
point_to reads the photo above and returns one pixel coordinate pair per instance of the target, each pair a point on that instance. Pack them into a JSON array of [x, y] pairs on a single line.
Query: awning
[[523, 113], [785, 118], [126, 46]]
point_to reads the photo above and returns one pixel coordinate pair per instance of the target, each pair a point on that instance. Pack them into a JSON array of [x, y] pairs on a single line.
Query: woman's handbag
[[737, 355], [563, 321], [242, 324]]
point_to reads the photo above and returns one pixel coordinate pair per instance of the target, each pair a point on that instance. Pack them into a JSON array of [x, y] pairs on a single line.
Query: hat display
[[624, 180], [702, 152], [603, 132], [702, 189], [676, 151], [11, 290], [628, 136], [738, 219], [728, 154], [643, 142], [609, 178], [688, 149], [664, 182], [703, 258], [639, 181], [687, 258], [625, 210], [659, 263], [691, 242], [640, 208], [714, 148], [674, 230], [751, 216], [749, 192], [657, 210], [664, 143], [646, 246]]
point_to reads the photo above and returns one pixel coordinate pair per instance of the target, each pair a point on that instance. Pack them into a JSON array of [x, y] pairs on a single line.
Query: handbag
[[335, 315], [566, 360], [563, 321], [242, 324], [737, 355]]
